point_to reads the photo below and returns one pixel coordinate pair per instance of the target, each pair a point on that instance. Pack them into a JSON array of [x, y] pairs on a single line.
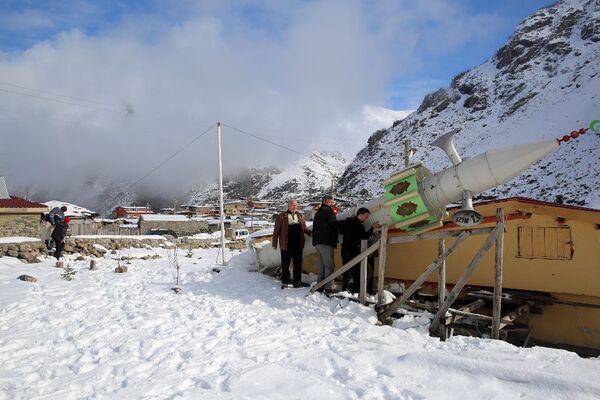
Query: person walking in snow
[[58, 235], [354, 231], [325, 238], [288, 233], [57, 214]]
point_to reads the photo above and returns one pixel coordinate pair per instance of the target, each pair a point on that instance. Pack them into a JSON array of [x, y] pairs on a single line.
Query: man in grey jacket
[[325, 238]]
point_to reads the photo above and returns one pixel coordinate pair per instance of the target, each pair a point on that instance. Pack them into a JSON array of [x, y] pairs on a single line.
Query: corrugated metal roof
[[17, 202]]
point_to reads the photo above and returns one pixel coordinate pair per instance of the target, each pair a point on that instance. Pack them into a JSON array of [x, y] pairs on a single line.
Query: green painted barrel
[[406, 207]]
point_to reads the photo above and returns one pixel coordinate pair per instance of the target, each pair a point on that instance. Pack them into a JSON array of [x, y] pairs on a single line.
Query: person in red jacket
[[58, 235], [289, 234]]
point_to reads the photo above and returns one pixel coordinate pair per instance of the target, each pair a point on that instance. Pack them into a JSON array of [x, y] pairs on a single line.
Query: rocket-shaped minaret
[[415, 200]]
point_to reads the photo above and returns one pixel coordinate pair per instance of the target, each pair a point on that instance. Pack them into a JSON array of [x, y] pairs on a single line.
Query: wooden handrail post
[[499, 260], [381, 269], [362, 294]]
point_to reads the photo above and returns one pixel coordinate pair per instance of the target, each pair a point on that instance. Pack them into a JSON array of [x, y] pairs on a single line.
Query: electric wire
[[173, 155], [57, 95], [314, 157], [40, 97]]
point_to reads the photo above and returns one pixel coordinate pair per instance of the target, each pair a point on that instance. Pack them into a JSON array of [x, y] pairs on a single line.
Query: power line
[[63, 101], [56, 94], [173, 155], [265, 140], [314, 157]]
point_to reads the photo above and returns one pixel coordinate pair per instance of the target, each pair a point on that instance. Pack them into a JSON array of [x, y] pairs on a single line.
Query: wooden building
[[551, 256], [131, 211]]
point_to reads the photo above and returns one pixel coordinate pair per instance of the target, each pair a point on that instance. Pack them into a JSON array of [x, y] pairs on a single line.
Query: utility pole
[[221, 193]]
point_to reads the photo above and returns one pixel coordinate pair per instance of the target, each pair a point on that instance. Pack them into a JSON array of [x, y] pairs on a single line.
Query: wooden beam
[[465, 311], [362, 294], [347, 266], [439, 317], [438, 235], [387, 310], [381, 269], [510, 318], [498, 263]]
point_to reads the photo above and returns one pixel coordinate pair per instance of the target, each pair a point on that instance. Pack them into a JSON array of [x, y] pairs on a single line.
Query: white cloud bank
[[298, 73]]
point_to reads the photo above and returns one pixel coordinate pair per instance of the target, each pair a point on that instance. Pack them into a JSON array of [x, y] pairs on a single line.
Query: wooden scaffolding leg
[[497, 307], [442, 282], [362, 295], [381, 269]]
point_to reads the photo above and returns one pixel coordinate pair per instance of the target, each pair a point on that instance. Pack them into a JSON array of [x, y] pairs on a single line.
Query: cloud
[[298, 73]]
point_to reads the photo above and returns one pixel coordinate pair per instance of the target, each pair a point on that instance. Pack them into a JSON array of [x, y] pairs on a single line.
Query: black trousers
[[287, 256], [353, 274], [59, 249]]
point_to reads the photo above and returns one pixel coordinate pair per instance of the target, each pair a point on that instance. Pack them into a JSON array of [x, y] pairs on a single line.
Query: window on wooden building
[[552, 243]]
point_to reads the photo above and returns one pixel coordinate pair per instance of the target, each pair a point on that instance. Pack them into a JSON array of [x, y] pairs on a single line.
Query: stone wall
[[27, 251], [181, 228], [27, 225]]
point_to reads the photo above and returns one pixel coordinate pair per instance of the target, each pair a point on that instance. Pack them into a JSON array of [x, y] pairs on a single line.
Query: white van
[[239, 234]]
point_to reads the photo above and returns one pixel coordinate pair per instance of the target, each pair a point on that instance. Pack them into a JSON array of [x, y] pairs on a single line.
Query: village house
[[131, 211], [82, 220], [180, 225], [204, 209], [235, 207], [19, 217]]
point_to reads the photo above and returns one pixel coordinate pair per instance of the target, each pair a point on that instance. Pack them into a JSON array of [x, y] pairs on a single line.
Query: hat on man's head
[[327, 197], [63, 208]]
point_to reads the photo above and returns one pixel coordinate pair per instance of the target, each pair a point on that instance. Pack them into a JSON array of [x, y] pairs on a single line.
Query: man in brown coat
[[289, 233]]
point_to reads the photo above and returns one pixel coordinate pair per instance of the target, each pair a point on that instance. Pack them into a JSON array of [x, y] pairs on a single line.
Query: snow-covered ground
[[237, 335]]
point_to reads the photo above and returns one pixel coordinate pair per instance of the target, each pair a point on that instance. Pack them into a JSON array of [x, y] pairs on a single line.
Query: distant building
[[235, 207], [178, 224], [82, 219], [131, 212], [19, 217]]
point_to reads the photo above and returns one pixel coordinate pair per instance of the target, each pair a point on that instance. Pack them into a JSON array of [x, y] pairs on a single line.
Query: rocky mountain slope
[[544, 83], [307, 177]]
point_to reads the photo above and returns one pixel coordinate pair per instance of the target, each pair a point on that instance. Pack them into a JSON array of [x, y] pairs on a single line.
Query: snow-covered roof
[[73, 211], [164, 217]]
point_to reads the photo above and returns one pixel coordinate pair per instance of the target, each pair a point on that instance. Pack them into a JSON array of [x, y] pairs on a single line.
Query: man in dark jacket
[[58, 235], [325, 238], [289, 234], [354, 231]]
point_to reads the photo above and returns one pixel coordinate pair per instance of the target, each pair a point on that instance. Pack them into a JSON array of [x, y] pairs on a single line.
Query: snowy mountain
[[309, 176], [543, 83]]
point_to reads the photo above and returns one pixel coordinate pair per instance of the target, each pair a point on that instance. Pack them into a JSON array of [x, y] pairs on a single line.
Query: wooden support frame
[[439, 318], [387, 310], [362, 256]]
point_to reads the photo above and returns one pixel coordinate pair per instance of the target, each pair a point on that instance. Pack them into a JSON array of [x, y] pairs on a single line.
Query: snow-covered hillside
[[544, 83], [307, 177], [237, 335]]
